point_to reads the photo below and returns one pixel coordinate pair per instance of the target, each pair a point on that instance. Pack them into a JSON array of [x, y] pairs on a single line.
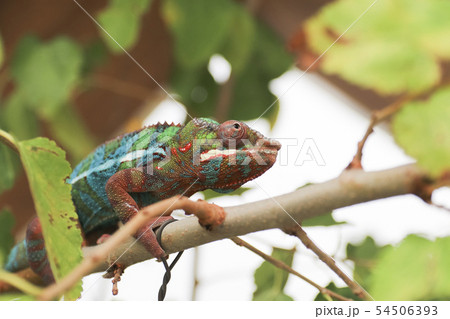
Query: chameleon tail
[[17, 258], [29, 253], [36, 252]]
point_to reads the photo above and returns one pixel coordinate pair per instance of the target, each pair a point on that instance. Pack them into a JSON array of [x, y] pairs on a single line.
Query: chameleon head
[[227, 155]]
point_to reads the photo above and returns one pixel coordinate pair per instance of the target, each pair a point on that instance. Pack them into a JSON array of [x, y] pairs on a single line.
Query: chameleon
[[156, 162]]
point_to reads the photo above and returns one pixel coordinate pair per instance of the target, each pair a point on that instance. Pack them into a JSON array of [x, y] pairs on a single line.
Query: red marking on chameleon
[[174, 151], [158, 168], [185, 148]]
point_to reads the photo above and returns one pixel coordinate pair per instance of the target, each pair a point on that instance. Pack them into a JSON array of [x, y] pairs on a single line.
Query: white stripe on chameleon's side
[[127, 157]]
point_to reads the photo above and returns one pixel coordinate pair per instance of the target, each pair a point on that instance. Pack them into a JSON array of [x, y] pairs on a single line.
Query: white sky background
[[310, 109]]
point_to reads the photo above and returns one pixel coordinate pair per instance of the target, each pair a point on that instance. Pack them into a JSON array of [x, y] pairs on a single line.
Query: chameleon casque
[[140, 168]]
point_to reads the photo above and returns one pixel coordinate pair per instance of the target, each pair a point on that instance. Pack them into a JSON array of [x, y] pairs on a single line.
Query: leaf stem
[[8, 140]]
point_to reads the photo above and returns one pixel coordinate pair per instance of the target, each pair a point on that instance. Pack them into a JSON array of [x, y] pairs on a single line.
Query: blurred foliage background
[[74, 80]]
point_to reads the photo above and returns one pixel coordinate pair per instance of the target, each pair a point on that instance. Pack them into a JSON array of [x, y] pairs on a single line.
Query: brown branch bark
[[278, 263]]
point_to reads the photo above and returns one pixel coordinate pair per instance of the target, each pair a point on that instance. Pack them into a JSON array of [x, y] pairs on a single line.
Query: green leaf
[[416, 270], [47, 73], [248, 50], [199, 28], [240, 42], [19, 118], [47, 170], [387, 66], [122, 21], [137, 6], [65, 122], [23, 52], [251, 96], [365, 256], [343, 291], [270, 280], [270, 47], [6, 236], [9, 162], [196, 89], [209, 193], [94, 54], [323, 220], [422, 129], [394, 47]]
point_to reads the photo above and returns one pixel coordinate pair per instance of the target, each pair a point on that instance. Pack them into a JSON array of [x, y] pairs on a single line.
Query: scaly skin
[[140, 168]]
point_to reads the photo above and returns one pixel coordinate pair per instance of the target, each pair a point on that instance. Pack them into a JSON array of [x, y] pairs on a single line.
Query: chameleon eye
[[231, 130]]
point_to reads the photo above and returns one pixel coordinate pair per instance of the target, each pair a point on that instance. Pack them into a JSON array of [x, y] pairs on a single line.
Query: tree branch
[[351, 187], [377, 117], [282, 265], [329, 261]]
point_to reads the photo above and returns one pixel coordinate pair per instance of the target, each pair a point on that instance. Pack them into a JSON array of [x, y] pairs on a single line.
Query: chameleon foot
[[209, 215], [146, 235]]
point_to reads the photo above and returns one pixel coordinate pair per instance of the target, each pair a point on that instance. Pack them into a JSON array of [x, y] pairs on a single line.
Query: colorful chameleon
[[140, 168]]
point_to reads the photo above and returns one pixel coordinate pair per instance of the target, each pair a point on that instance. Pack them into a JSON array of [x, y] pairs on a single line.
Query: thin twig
[[376, 118], [282, 265], [386, 112], [354, 286]]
